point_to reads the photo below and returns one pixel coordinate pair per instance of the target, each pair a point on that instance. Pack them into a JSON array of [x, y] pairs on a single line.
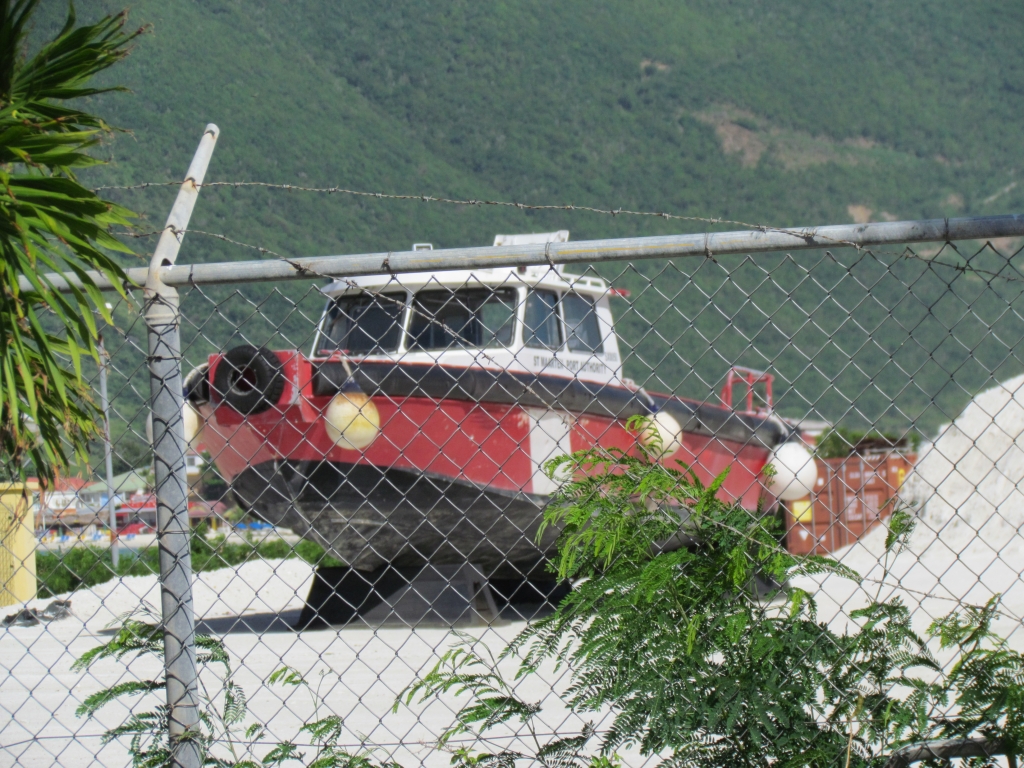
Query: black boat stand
[[448, 595], [438, 595]]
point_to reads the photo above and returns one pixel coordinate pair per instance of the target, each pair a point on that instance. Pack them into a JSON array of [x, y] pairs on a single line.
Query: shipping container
[[852, 495]]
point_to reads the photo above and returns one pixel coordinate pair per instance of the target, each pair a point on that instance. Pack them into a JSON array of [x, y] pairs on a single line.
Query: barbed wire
[[472, 202], [214, 235], [434, 199]]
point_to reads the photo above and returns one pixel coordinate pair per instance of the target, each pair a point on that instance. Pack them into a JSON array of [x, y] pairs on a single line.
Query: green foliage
[[50, 222], [314, 554], [213, 486], [275, 549], [210, 553], [693, 665], [840, 442], [901, 524], [677, 642], [464, 670], [836, 443], [149, 743], [87, 566], [223, 737], [987, 676], [324, 731]]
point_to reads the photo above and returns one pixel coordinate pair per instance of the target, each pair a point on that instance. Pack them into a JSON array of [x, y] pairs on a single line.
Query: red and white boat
[[417, 428]]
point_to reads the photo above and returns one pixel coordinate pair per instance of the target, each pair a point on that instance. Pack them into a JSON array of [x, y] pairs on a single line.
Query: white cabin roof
[[541, 276], [534, 238]]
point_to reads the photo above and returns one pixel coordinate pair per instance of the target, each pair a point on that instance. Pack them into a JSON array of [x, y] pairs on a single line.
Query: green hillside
[[802, 112]]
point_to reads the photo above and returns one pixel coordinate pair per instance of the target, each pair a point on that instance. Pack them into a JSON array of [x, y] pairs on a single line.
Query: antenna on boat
[[534, 238]]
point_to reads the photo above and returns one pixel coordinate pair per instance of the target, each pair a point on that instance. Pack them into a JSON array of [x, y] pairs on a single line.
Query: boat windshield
[[542, 326], [581, 322], [468, 317], [364, 324]]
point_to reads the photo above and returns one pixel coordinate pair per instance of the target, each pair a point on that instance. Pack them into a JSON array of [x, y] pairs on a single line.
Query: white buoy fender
[[352, 420], [795, 471], [664, 429]]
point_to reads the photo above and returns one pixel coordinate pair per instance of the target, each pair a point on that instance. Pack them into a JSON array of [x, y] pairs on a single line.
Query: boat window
[[469, 317], [542, 326], [364, 324], [582, 329]]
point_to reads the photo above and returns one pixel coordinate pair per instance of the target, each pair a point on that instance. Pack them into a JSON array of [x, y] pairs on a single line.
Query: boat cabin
[[538, 320]]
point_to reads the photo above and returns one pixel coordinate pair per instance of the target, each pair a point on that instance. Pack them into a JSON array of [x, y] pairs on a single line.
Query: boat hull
[[456, 473], [369, 516]]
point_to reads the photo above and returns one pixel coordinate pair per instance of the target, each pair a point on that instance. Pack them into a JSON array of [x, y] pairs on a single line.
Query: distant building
[[59, 505], [78, 503], [75, 502]]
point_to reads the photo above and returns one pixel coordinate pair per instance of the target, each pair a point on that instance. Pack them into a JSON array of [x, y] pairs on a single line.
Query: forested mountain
[[782, 112]]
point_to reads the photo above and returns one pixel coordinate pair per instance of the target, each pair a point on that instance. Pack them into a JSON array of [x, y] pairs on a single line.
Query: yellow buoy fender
[[193, 424], [352, 420]]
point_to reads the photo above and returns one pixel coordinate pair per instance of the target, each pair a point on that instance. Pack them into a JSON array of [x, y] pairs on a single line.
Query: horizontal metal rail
[[945, 749], [585, 251]]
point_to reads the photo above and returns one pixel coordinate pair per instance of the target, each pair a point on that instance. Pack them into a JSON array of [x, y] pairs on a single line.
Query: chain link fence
[[361, 465]]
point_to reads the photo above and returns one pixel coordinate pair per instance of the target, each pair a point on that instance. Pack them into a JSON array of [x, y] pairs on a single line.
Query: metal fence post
[[108, 455], [163, 327]]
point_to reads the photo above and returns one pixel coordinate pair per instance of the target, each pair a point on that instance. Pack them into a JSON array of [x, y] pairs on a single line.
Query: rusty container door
[[853, 495]]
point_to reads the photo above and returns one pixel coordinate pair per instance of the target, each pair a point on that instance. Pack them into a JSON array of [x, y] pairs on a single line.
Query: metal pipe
[[945, 749], [163, 327], [583, 252], [108, 455]]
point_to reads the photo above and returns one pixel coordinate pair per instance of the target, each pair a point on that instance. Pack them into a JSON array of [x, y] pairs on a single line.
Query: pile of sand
[[967, 546]]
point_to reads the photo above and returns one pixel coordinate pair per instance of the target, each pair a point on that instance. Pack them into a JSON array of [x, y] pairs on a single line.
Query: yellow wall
[[17, 544]]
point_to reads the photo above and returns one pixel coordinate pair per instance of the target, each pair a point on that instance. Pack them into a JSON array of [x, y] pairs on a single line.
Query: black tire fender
[[196, 385], [249, 379]]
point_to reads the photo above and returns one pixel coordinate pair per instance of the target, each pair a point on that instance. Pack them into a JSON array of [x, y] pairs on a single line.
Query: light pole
[[108, 454]]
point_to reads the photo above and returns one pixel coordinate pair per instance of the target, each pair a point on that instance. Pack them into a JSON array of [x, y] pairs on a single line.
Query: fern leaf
[[235, 704], [95, 701]]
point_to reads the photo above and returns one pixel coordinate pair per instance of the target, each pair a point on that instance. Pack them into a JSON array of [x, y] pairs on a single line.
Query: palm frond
[[50, 222]]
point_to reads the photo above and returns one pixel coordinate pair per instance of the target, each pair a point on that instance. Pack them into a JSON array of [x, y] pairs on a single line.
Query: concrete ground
[[358, 670]]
